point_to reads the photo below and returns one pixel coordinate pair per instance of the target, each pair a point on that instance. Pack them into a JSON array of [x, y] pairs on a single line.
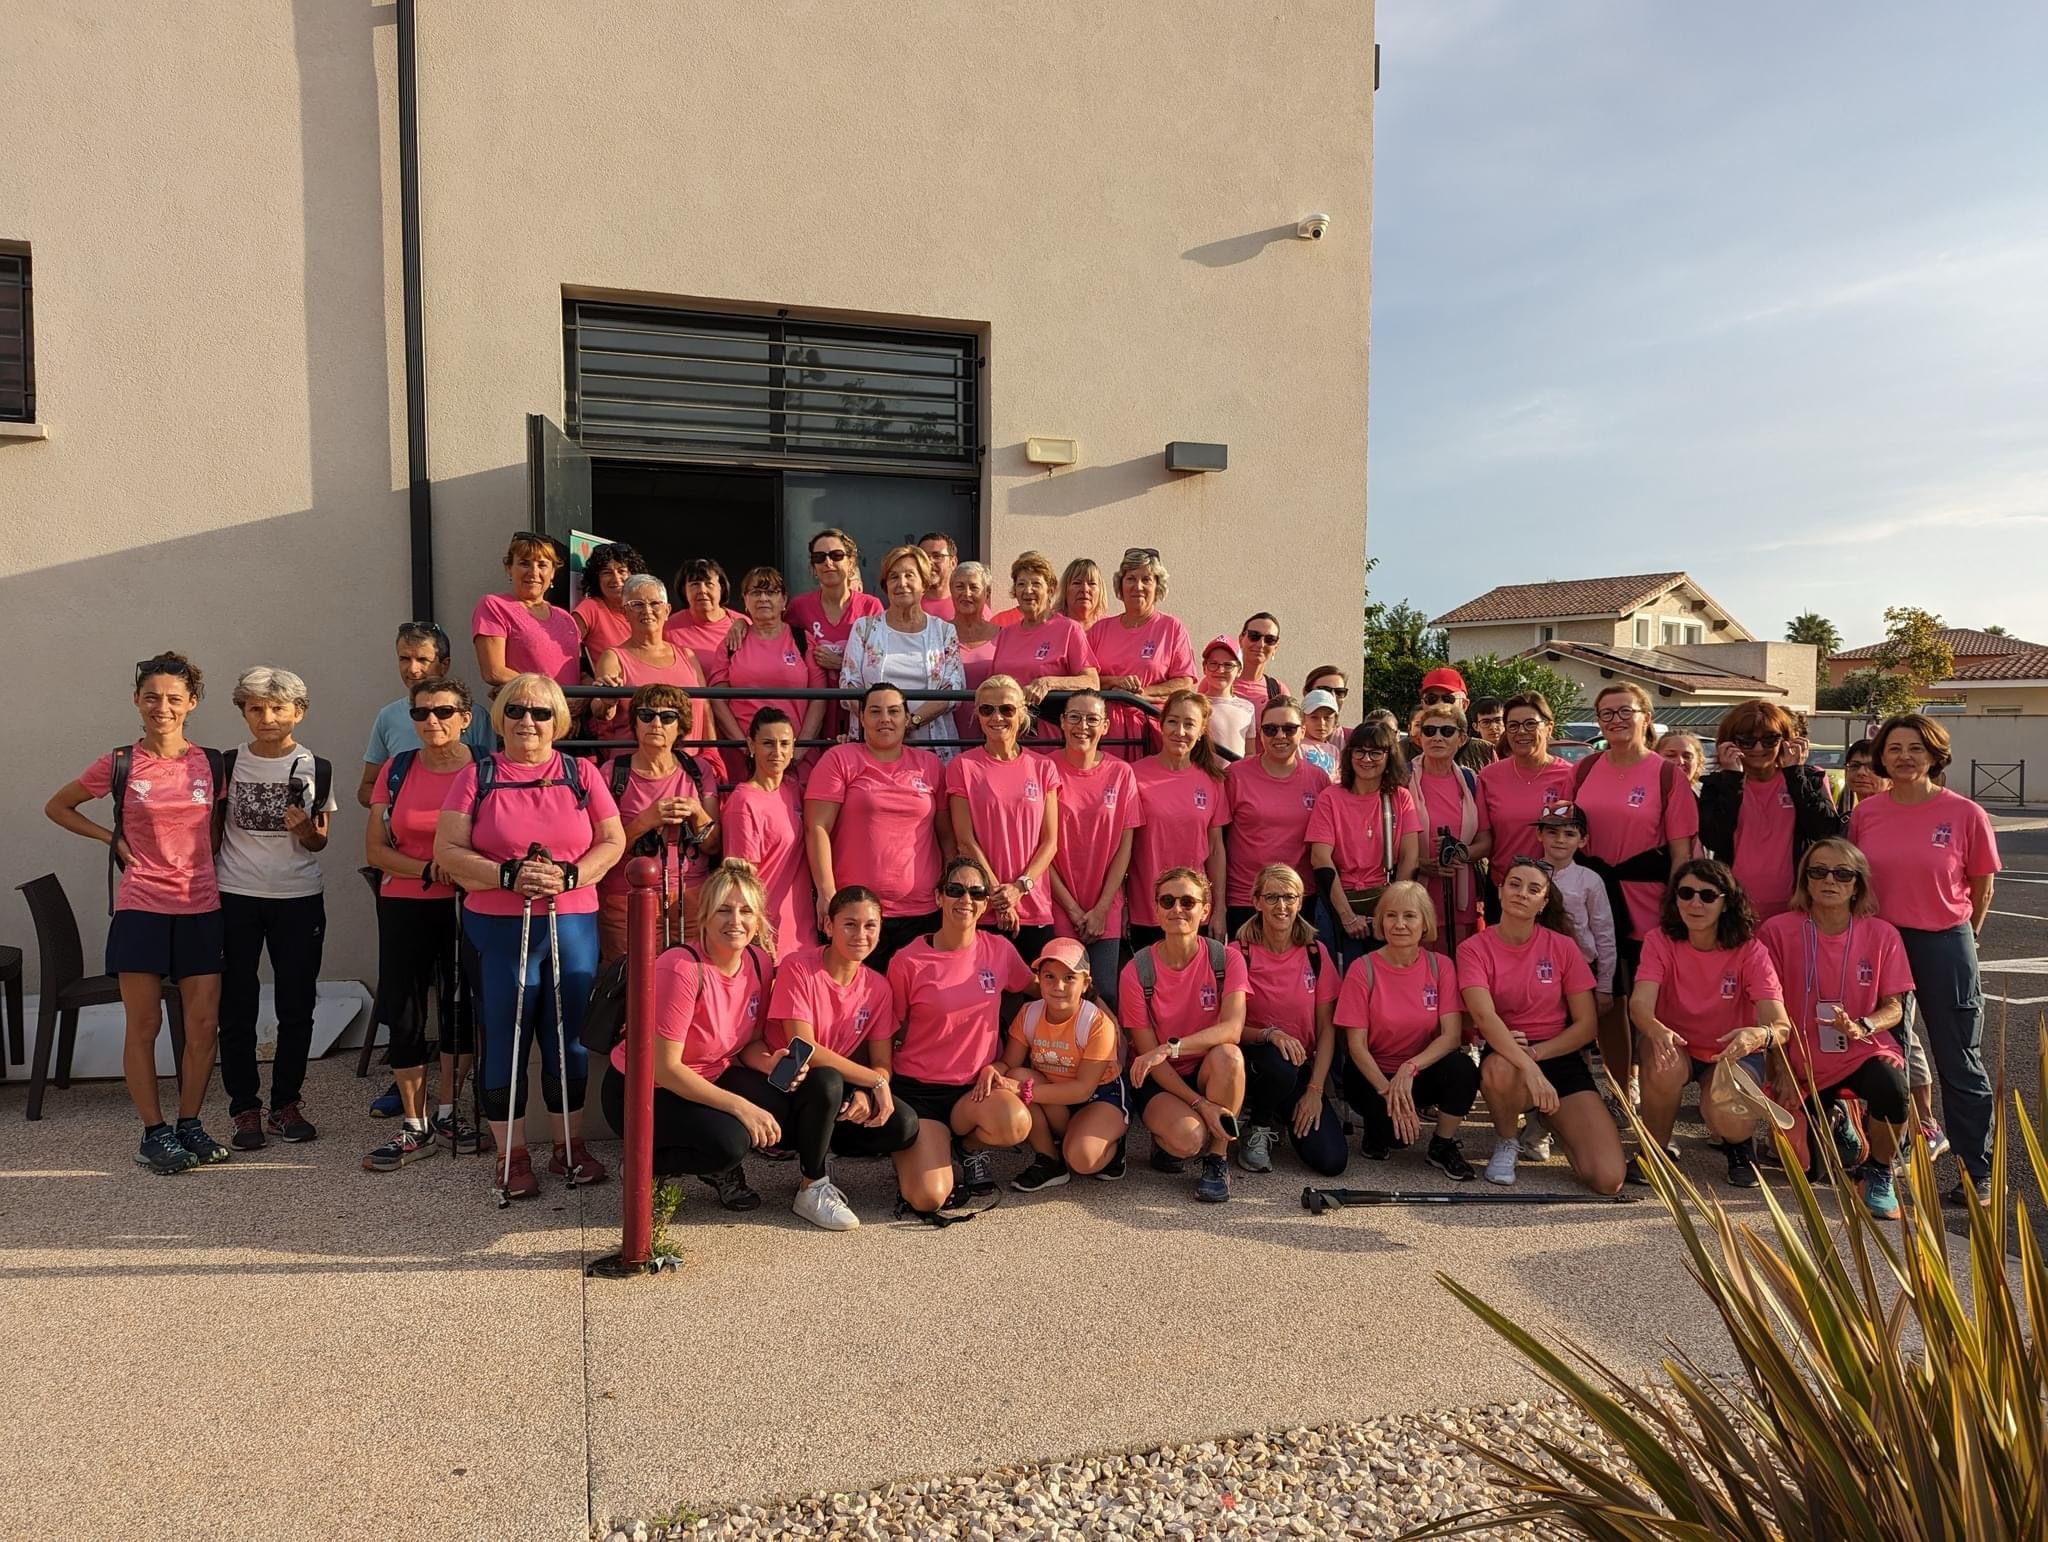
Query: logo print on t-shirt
[[1429, 997], [201, 793], [1543, 970], [1201, 797], [988, 981], [861, 1016], [1728, 987], [1148, 650], [255, 805], [1031, 792], [1638, 796], [1784, 797], [1943, 833], [919, 784], [789, 657], [1308, 977], [1109, 797], [1866, 974], [1044, 651], [1209, 997], [140, 788], [754, 1004], [1308, 800]]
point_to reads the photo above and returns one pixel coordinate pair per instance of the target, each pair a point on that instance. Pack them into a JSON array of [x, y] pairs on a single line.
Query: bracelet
[[1024, 1092], [508, 874], [569, 874]]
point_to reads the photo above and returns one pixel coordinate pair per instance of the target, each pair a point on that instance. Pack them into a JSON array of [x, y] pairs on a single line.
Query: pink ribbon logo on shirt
[[1727, 987], [1943, 834], [988, 981]]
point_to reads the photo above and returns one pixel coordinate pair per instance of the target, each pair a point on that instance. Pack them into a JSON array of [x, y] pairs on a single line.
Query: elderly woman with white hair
[[977, 632], [1142, 650], [273, 824], [908, 648], [646, 657]]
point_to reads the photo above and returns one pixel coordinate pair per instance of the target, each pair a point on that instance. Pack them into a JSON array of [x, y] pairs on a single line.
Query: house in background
[[1985, 657], [1660, 631], [2010, 684]]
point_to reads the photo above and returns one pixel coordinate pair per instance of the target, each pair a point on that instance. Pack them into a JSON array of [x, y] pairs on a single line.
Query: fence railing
[[1993, 781]]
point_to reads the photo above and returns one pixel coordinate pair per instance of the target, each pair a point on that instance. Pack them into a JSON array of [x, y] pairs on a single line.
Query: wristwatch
[[569, 874], [1868, 1028], [1173, 1049], [1025, 883]]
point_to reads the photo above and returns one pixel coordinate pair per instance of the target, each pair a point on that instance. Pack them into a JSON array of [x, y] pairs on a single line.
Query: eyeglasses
[[443, 712], [1179, 901], [647, 605], [1369, 751], [763, 589], [1616, 714], [1283, 898], [1279, 730], [1757, 741], [1817, 873], [836, 554], [656, 715], [162, 664], [1437, 731], [1002, 709], [1085, 720], [1267, 638], [516, 711], [973, 891], [1859, 765], [1687, 892], [1527, 725], [1538, 863], [1439, 698]]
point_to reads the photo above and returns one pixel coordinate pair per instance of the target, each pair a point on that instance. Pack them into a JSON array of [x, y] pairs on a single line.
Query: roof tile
[[1565, 597], [1963, 642], [2032, 664]]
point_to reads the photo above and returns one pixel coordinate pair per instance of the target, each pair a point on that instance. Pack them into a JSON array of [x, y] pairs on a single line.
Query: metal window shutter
[[17, 379]]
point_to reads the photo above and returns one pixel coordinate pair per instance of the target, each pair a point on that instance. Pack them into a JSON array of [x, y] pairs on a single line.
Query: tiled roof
[[1681, 674], [1963, 642], [1567, 597], [2031, 664]]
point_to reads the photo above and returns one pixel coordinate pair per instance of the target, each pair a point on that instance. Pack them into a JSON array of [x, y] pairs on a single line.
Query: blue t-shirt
[[392, 732]]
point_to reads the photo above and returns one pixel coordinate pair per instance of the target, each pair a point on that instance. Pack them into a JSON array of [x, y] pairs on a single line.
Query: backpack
[[123, 754], [487, 781], [1148, 976], [604, 1015], [1366, 959], [649, 844], [1315, 967]]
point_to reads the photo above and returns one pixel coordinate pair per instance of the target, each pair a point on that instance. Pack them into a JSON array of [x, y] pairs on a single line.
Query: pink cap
[[1227, 644], [1064, 950], [1444, 679]]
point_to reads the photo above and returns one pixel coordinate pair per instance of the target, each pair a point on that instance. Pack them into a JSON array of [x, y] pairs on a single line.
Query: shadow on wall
[[1232, 250], [1079, 489]]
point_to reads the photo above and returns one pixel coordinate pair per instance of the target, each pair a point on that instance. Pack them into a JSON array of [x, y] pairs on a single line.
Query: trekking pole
[[1448, 850], [1321, 1201], [518, 1065], [561, 1039]]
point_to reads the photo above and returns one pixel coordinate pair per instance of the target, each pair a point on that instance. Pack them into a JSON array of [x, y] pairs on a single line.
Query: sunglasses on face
[[1818, 874], [1687, 892], [1758, 741], [1267, 638], [1526, 725], [1439, 698], [656, 715], [1001, 709], [1438, 731], [517, 711], [820, 558], [1338, 691], [1279, 730], [443, 712], [1178, 901], [973, 891]]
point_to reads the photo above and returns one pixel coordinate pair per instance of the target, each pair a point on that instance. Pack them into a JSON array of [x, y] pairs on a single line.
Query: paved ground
[[2016, 935]]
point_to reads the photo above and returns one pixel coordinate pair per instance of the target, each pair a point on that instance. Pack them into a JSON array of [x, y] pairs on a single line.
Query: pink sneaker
[[587, 1167]]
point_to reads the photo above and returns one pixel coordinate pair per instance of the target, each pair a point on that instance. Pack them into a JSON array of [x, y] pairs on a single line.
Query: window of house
[[1684, 632], [2001, 711], [1642, 631], [1545, 633], [17, 352]]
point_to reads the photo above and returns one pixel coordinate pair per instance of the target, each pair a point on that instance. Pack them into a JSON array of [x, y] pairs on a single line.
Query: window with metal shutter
[[659, 384], [17, 355]]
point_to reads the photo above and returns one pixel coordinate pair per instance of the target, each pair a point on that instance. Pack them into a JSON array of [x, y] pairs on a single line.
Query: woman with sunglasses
[[1182, 809], [827, 613], [771, 656], [1365, 833], [1641, 819], [1081, 593], [520, 632], [418, 930], [1004, 805], [1453, 820], [875, 814], [1142, 651], [1761, 820], [1528, 779], [668, 806], [947, 991], [1184, 1008], [1445, 687], [525, 832], [1528, 991], [762, 821], [1258, 640], [1042, 650], [600, 616], [1846, 978], [1289, 1037], [909, 647], [167, 921], [647, 656], [1062, 1054], [1271, 797], [422, 655], [1933, 858], [1099, 814], [1404, 1038], [1705, 991]]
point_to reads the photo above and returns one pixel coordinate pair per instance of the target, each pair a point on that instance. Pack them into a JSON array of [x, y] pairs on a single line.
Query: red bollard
[[643, 911]]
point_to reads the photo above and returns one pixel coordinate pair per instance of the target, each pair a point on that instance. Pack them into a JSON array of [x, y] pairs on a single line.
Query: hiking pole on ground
[[1321, 1201], [561, 1039], [518, 1066]]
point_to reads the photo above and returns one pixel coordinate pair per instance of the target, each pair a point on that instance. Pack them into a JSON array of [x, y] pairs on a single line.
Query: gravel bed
[[1371, 1478]]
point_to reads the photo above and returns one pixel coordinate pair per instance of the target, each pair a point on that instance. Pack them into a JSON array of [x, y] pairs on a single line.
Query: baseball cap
[[1444, 679], [1558, 815], [1315, 701], [1064, 950], [1227, 644]]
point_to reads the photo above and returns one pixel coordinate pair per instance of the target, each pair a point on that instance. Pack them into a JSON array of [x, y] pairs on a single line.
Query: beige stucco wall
[[2029, 700], [1790, 666], [1505, 639], [1107, 193]]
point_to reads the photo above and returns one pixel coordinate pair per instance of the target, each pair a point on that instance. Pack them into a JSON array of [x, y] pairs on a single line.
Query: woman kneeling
[[1062, 1056]]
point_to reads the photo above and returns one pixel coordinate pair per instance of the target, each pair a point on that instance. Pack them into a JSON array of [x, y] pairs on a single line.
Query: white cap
[[1315, 701]]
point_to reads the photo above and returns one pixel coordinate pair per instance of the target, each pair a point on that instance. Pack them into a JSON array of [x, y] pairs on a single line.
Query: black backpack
[[604, 1015], [649, 844], [487, 781], [123, 754]]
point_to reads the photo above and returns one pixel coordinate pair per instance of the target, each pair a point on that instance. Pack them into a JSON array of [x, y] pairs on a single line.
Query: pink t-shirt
[[1763, 845], [413, 820], [1269, 818], [1923, 856], [975, 666], [1096, 807], [1440, 805], [1510, 800], [1055, 646], [1283, 990], [1177, 810], [533, 803], [704, 638], [1402, 1008], [940, 605], [1530, 983], [768, 664], [715, 1016], [1260, 691], [1705, 994], [607, 628], [1354, 828], [950, 1005], [542, 645], [685, 672], [807, 612], [1154, 650], [1006, 802], [884, 837], [767, 829], [168, 825], [843, 1018], [1856, 969], [641, 793], [1184, 1000], [1625, 812]]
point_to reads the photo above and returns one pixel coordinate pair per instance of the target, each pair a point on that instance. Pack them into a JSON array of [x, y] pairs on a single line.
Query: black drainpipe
[[420, 489]]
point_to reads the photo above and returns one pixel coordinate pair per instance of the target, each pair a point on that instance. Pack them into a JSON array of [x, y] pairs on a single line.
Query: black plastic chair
[[66, 989], [374, 879]]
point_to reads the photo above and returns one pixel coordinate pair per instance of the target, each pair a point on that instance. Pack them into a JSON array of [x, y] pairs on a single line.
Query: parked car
[[1572, 749]]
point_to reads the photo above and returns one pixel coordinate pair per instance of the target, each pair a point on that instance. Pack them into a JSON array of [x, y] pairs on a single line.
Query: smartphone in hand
[[793, 1060]]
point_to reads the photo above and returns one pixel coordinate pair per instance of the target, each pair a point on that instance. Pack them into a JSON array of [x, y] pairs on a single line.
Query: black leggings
[[1272, 1086], [1450, 1083], [699, 1139], [1879, 1082], [417, 942]]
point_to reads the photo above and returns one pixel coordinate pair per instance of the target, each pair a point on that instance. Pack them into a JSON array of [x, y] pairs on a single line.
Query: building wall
[[2003, 700], [1996, 745], [1790, 666], [1108, 195]]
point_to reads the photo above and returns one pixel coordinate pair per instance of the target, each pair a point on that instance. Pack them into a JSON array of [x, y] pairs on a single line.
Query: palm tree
[[1812, 627]]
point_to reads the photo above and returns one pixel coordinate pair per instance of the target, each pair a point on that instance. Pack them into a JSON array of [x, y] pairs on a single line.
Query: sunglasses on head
[[444, 712], [957, 890], [1538, 863], [176, 668], [1267, 638], [1817, 873], [1179, 901], [539, 538], [1141, 554], [517, 710], [656, 715], [1279, 730], [412, 631], [1437, 731], [1686, 891], [835, 554], [1004, 709]]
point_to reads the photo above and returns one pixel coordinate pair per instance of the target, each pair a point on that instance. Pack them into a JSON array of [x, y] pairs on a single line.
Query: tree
[[1910, 658], [1489, 675], [1995, 631], [1400, 647], [1811, 626]]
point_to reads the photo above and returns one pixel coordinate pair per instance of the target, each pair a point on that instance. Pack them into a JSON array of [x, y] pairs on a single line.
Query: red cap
[[1444, 679]]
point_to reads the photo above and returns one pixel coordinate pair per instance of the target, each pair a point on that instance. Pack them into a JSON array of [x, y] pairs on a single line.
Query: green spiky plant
[[668, 1194], [1874, 1403]]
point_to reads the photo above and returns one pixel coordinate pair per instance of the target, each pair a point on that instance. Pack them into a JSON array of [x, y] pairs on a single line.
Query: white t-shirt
[[906, 663], [258, 856], [1230, 723]]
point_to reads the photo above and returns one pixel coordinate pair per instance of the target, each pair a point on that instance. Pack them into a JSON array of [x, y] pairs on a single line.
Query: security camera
[[1312, 228]]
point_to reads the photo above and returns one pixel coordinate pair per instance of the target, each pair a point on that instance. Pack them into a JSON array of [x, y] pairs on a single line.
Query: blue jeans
[[1948, 990], [496, 940], [1105, 963]]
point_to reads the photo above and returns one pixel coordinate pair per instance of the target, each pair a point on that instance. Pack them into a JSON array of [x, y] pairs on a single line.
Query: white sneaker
[[1500, 1167], [823, 1205], [1535, 1144]]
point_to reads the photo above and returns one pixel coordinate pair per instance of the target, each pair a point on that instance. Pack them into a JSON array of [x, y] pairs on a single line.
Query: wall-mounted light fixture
[[1192, 455], [1051, 452]]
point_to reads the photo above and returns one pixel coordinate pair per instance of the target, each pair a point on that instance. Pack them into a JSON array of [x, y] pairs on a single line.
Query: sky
[[1755, 291]]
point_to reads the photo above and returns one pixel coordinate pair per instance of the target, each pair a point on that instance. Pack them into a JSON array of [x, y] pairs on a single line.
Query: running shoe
[[1879, 1196], [1045, 1172], [523, 1182], [459, 1136], [1936, 1138], [576, 1156], [248, 1134], [1965, 1189], [1164, 1161], [823, 1205], [978, 1173], [290, 1123], [1375, 1153], [163, 1153], [408, 1144], [1848, 1139], [1113, 1171], [193, 1137], [387, 1104], [1535, 1141], [1213, 1186], [1446, 1158], [1500, 1167], [732, 1190], [1741, 1165], [1255, 1151], [1636, 1175]]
